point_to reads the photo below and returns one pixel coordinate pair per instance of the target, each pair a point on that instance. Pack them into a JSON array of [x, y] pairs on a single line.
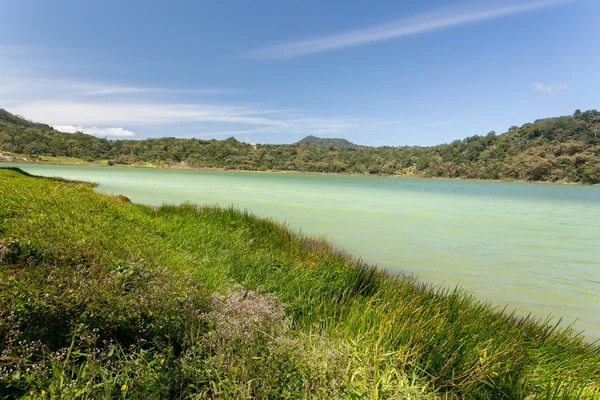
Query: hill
[[561, 149], [101, 298], [335, 142], [7, 119]]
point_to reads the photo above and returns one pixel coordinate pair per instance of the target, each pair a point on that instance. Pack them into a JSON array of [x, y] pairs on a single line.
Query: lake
[[533, 247]]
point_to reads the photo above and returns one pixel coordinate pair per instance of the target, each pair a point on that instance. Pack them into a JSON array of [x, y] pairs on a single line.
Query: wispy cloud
[[550, 89], [98, 89], [114, 109], [440, 19], [301, 126], [210, 134], [17, 87], [94, 130], [93, 116], [20, 81], [139, 113]]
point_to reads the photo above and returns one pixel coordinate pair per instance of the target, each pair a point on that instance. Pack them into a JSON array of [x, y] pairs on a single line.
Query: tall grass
[[103, 298]]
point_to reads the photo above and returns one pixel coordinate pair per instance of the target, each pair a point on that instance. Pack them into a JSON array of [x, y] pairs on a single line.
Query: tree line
[[565, 148]]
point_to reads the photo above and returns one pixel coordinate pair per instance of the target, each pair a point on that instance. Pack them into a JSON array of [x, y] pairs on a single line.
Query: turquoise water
[[533, 247]]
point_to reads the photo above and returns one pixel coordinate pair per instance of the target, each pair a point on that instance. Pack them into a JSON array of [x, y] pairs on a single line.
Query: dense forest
[[565, 149]]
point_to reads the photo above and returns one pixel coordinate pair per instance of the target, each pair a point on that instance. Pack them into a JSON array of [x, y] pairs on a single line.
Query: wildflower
[[43, 392], [123, 388], [162, 360]]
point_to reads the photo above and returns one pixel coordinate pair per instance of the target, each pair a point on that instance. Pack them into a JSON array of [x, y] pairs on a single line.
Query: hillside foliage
[[562, 149]]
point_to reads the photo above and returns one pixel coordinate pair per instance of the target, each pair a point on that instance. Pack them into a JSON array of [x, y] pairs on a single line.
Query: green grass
[[102, 298], [24, 158], [62, 160]]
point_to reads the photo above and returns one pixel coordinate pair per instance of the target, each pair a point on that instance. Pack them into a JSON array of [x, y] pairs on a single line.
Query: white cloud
[[138, 113], [93, 117], [550, 89], [209, 134], [94, 130], [21, 87], [99, 89], [20, 81], [95, 89], [444, 18], [334, 127]]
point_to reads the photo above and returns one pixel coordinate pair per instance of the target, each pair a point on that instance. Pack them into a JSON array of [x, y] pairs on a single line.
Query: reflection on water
[[535, 247]]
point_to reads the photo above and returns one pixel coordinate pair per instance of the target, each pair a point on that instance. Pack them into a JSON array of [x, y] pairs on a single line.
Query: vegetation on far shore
[[103, 298], [562, 149], [334, 142]]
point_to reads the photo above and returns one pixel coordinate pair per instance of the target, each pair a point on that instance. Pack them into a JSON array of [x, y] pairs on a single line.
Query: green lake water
[[533, 247]]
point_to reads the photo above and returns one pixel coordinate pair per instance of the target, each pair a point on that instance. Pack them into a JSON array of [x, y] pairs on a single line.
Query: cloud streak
[[98, 118], [441, 19], [95, 89], [20, 81], [114, 109], [138, 113], [550, 89], [94, 130], [17, 87]]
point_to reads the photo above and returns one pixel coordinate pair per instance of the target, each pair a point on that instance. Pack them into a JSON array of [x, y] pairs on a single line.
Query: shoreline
[[103, 163]]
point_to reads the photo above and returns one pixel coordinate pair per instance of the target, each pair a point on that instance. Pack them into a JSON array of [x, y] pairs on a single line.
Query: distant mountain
[[335, 142]]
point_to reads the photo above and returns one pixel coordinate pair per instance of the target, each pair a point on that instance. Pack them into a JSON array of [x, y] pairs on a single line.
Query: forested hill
[[563, 149], [335, 142]]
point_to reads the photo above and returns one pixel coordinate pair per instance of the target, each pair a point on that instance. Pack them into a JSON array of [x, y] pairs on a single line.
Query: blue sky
[[377, 73]]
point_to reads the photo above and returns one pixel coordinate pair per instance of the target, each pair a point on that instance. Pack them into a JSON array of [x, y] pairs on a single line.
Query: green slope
[[102, 298]]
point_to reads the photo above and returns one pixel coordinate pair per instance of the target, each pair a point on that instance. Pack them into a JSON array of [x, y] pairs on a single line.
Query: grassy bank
[[60, 160], [102, 298], [407, 173]]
